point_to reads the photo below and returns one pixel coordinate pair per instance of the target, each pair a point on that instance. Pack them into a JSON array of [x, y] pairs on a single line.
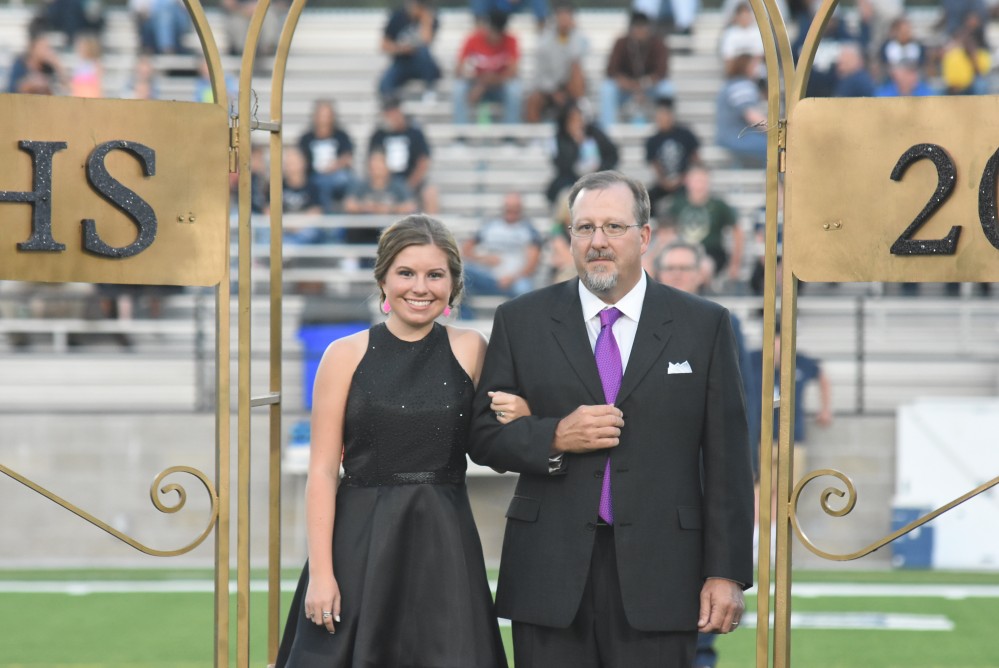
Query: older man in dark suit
[[631, 525]]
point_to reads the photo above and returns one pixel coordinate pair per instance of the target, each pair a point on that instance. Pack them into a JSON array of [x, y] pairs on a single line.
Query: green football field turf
[[160, 630]]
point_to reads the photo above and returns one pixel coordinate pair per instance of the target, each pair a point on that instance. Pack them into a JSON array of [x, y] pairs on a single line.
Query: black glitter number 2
[[946, 178]]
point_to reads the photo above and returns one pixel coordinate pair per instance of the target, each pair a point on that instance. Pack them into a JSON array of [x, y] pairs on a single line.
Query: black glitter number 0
[[946, 178], [987, 200]]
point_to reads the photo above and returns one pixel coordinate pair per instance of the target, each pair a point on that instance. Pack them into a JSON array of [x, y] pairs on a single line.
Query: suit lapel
[[654, 329], [570, 332]]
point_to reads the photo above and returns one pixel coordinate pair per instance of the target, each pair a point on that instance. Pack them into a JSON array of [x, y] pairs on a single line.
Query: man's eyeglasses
[[587, 230]]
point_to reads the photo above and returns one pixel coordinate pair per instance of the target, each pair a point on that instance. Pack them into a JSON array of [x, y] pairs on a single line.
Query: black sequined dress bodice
[[408, 412]]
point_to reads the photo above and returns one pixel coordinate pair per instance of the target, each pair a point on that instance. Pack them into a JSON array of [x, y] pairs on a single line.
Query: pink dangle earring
[[447, 311], [386, 307]]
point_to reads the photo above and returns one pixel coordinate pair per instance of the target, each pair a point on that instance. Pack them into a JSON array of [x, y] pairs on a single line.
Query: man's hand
[[589, 428], [722, 606]]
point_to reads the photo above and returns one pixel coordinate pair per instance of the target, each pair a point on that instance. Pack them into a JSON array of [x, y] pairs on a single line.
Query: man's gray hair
[[606, 179]]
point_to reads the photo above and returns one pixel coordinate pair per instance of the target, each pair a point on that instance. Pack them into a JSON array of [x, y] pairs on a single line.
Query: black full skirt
[[408, 561]]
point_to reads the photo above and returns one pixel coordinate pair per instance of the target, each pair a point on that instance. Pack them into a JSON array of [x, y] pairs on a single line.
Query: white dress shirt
[[625, 327]]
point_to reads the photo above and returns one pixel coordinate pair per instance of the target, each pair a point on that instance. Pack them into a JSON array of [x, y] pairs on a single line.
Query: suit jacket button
[[598, 474], [590, 526]]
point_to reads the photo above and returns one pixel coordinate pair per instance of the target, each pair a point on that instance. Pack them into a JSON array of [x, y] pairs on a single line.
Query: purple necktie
[[609, 367]]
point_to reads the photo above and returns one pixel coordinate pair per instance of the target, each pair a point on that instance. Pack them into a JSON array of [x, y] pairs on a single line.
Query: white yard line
[[803, 590], [864, 590], [866, 621]]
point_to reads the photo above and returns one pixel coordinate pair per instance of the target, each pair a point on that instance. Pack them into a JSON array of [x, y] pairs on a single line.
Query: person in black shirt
[[580, 147], [406, 39], [329, 156], [407, 153], [670, 152]]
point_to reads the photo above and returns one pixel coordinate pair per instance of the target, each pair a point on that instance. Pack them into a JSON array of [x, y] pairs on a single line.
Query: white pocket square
[[679, 367]]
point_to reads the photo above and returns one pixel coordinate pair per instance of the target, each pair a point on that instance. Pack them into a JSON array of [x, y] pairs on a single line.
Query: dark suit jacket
[[681, 476]]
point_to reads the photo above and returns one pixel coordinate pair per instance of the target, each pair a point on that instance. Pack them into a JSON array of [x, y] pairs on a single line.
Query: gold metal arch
[[245, 123], [223, 425], [218, 493], [208, 43], [783, 74]]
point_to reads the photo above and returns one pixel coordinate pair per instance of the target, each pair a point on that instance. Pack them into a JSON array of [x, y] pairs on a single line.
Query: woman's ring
[[500, 414], [327, 614]]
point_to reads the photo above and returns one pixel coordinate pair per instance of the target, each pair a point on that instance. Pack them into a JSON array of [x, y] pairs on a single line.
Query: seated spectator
[[904, 78], [161, 24], [238, 14], [37, 70], [740, 115], [558, 65], [378, 194], [298, 196], [670, 152], [203, 91], [260, 186], [822, 80], [637, 73], [901, 45], [25, 299], [120, 301], [406, 40], [482, 8], [966, 62], [407, 154], [87, 79], [487, 71], [853, 78], [669, 16], [329, 156], [678, 265], [143, 82], [955, 15], [503, 256], [73, 18], [696, 216], [741, 36], [579, 147]]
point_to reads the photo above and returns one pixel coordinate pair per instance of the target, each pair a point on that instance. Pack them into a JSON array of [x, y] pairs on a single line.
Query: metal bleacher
[[899, 348]]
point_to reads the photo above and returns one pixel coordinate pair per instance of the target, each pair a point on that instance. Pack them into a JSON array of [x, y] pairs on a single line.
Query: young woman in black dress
[[395, 575]]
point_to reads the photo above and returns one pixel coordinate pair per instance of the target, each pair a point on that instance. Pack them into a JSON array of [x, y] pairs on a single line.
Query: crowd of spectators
[[866, 52]]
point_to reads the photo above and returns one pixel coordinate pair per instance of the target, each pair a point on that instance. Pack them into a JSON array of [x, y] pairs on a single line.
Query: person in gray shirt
[[558, 70]]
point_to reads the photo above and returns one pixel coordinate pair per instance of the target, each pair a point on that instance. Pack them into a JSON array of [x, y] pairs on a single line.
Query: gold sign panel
[[113, 191], [893, 189]]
